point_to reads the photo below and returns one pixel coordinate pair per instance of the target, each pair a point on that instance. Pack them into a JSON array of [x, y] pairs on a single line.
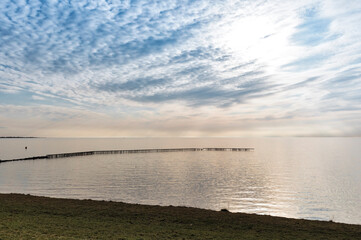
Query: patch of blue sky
[[27, 98], [302, 64], [17, 98], [314, 30]]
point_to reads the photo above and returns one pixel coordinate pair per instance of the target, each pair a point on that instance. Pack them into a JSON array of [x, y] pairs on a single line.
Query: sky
[[124, 68]]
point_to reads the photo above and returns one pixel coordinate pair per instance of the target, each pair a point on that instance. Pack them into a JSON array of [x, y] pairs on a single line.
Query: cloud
[[136, 59], [136, 84], [216, 95], [343, 90], [68, 37]]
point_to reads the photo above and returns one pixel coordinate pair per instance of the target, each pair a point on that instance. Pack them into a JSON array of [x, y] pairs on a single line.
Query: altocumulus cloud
[[275, 61]]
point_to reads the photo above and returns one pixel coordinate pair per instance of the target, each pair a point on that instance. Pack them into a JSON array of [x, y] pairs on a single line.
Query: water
[[311, 178]]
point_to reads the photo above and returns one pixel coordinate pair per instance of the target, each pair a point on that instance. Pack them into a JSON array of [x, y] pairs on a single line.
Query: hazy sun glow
[[247, 33]]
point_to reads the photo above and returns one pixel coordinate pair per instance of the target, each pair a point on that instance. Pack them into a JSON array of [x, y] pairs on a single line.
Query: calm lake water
[[311, 178]]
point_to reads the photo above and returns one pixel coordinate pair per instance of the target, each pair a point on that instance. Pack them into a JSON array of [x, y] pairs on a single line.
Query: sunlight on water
[[313, 178]]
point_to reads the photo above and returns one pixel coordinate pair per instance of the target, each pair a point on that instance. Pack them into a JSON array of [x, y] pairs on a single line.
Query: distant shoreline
[[54, 218], [19, 137]]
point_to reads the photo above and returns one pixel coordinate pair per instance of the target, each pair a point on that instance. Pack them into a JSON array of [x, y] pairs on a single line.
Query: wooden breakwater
[[77, 154]]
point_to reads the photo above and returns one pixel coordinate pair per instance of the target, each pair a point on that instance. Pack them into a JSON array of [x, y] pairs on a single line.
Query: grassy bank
[[29, 217]]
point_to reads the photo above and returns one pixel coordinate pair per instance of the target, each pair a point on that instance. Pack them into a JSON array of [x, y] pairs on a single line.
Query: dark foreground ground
[[29, 217]]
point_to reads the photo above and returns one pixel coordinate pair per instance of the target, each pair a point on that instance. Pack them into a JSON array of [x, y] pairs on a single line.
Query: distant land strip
[[77, 154], [17, 137]]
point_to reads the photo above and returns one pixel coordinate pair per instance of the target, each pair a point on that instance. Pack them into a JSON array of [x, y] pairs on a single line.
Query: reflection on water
[[304, 178]]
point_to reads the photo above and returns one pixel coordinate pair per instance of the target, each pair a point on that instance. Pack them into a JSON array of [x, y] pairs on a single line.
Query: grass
[[30, 217]]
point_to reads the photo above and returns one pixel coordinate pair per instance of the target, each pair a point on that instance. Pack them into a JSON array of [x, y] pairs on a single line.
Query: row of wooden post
[[77, 154]]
